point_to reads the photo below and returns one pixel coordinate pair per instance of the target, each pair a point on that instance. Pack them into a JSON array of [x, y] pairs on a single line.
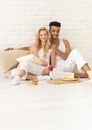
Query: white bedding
[[45, 106]]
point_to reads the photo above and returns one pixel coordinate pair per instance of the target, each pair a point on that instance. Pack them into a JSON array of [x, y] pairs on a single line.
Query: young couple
[[53, 50]]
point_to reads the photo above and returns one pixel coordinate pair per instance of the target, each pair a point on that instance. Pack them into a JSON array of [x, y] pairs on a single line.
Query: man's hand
[[54, 47], [7, 49]]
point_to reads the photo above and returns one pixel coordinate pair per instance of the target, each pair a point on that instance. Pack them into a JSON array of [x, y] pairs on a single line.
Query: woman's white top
[[41, 55]]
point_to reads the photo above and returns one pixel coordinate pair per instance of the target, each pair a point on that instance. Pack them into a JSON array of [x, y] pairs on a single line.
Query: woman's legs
[[17, 78], [32, 68], [37, 77], [31, 76], [45, 72], [23, 69], [21, 73]]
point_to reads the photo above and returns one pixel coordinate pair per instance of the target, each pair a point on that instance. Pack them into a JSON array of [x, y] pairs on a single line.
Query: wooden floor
[[45, 106]]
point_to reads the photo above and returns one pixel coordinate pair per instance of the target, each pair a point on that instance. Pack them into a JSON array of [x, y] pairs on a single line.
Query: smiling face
[[54, 32], [42, 41], [43, 36]]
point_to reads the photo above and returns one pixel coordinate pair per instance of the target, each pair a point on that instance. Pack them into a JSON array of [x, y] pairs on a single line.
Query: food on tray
[[69, 79], [34, 82], [66, 81]]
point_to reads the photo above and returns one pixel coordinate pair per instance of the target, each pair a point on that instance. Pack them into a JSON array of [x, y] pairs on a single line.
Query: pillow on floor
[[31, 58], [8, 59]]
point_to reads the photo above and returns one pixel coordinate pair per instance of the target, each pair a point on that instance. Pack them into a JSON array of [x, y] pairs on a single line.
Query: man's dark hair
[[55, 23]]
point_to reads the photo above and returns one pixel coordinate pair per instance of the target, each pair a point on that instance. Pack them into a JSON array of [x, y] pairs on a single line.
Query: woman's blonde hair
[[38, 42]]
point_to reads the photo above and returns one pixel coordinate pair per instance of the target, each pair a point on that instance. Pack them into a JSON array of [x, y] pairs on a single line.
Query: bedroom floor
[[45, 106]]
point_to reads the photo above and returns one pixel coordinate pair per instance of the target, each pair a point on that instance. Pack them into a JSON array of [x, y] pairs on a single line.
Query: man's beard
[[54, 37]]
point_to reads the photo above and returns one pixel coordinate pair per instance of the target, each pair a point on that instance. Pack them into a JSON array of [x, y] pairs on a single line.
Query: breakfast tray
[[64, 81]]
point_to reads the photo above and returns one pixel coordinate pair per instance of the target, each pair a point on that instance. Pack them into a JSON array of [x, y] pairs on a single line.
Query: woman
[[29, 70]]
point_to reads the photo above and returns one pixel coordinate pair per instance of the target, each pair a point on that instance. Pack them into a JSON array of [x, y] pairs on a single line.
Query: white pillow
[[8, 59], [31, 58]]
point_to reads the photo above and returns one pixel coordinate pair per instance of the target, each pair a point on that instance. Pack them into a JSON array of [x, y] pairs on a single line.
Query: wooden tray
[[60, 81]]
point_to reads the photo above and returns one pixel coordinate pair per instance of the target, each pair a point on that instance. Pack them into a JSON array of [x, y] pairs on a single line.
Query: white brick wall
[[20, 20]]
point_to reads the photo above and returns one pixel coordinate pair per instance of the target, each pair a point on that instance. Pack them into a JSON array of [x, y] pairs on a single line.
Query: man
[[66, 59]]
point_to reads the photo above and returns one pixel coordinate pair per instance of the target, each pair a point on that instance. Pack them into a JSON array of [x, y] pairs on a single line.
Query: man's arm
[[22, 48], [67, 52], [53, 58]]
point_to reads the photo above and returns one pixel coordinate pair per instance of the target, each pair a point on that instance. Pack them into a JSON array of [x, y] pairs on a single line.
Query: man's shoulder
[[65, 41]]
